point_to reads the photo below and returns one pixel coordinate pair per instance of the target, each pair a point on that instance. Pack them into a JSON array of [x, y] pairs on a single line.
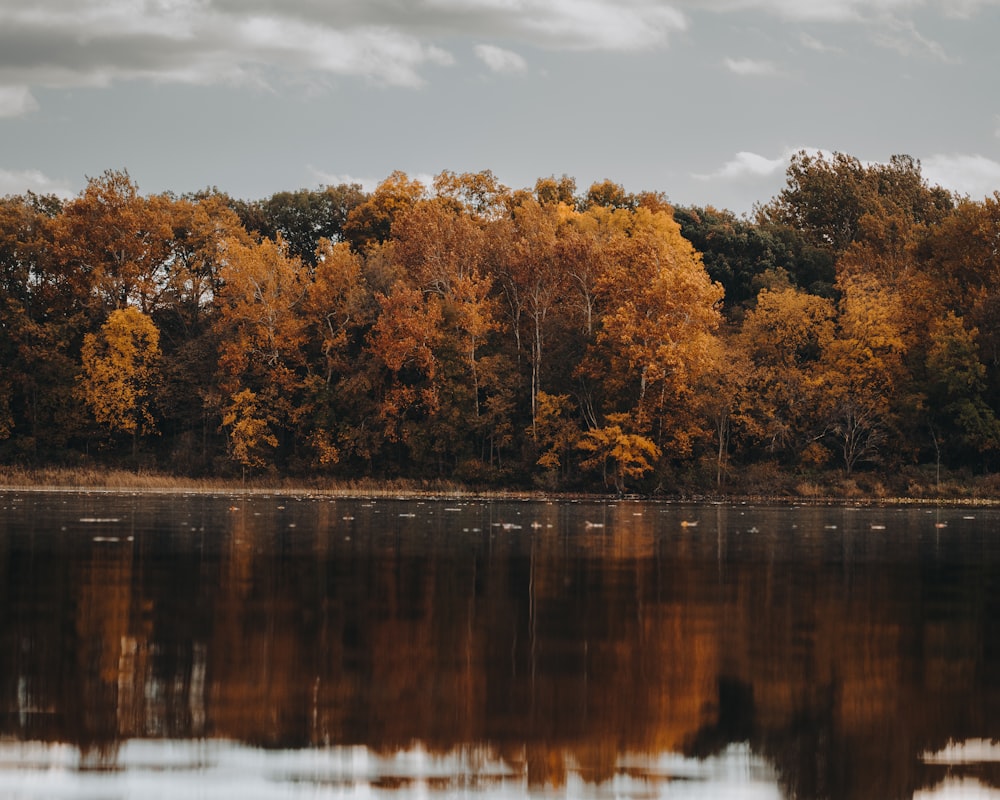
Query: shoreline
[[70, 481]]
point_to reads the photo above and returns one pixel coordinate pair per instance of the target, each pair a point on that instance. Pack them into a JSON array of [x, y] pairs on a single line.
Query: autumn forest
[[847, 332]]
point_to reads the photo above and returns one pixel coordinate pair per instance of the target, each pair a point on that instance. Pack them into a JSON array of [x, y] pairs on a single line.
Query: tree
[[338, 310], [116, 242], [556, 432], [553, 191], [39, 328], [724, 395], [532, 281], [248, 430], [608, 194], [262, 289], [629, 455], [736, 251], [336, 305], [827, 198], [583, 250], [963, 253], [785, 336], [956, 381], [304, 217], [261, 330], [403, 340], [202, 233], [120, 371], [442, 250], [659, 309], [371, 222], [860, 369], [478, 193]]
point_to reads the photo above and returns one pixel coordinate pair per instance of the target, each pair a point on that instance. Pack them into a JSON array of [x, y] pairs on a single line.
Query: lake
[[287, 647]]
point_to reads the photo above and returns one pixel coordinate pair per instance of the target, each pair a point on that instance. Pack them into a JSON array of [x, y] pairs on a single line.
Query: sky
[[702, 100]]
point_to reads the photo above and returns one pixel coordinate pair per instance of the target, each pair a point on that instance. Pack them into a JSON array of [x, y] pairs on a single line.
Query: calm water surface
[[194, 646]]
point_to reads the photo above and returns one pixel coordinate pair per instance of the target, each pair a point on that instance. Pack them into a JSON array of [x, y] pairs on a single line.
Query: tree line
[[535, 337]]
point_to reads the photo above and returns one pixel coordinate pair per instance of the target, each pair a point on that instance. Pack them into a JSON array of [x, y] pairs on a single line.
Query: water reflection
[[508, 649]]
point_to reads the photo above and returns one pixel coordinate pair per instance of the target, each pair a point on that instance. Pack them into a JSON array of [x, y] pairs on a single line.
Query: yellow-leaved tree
[[860, 369], [248, 430], [627, 455], [659, 313], [262, 335], [119, 375], [785, 337]]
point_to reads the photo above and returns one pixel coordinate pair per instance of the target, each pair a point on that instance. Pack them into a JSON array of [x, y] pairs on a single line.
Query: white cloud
[[385, 55], [903, 37], [601, 24], [973, 175], [625, 25], [337, 178], [16, 101], [751, 66], [64, 43], [799, 10], [844, 11], [839, 10], [500, 60], [812, 43], [749, 165], [21, 181], [94, 42]]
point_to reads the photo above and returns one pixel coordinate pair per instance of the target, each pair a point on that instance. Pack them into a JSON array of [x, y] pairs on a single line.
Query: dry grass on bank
[[112, 480], [905, 487]]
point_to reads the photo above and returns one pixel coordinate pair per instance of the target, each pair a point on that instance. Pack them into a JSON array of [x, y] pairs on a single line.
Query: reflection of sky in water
[[151, 769], [959, 789], [957, 754]]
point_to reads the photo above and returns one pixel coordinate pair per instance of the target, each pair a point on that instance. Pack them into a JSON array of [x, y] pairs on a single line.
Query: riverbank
[[112, 480], [912, 488]]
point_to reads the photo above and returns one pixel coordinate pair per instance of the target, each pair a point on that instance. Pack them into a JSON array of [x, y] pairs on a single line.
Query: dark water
[[189, 646]]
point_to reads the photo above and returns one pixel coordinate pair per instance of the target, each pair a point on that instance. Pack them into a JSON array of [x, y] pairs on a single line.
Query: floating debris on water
[[877, 527], [99, 520], [689, 523], [590, 524]]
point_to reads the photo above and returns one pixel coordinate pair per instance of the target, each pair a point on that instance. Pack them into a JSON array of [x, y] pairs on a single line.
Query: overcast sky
[[704, 100]]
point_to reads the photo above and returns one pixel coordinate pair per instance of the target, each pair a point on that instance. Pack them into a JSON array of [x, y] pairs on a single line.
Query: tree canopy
[[538, 337]]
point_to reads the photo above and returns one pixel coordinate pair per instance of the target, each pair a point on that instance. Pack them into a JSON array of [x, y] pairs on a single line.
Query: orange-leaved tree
[[338, 309], [403, 341], [116, 242]]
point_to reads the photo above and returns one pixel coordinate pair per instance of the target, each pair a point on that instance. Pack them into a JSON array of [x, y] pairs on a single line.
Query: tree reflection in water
[[514, 644]]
